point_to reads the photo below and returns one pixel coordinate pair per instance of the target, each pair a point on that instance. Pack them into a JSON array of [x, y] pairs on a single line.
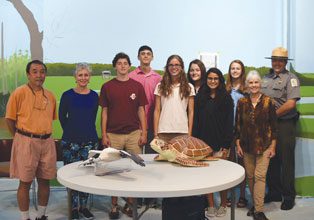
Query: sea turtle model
[[184, 150]]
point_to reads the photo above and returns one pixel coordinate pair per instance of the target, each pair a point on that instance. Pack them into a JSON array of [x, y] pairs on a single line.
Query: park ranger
[[284, 87]]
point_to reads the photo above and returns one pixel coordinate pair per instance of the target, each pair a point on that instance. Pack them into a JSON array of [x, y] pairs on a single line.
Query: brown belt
[[40, 136]]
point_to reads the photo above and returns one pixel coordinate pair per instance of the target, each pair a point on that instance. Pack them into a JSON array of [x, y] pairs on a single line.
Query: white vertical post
[[288, 21], [285, 23], [2, 60]]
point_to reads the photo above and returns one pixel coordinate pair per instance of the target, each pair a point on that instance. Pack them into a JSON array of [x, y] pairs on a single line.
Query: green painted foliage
[[12, 75], [307, 91], [304, 186], [306, 109], [262, 70], [304, 79], [67, 69], [305, 128], [13, 72]]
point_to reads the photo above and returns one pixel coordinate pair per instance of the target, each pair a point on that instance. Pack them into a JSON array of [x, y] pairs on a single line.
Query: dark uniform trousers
[[281, 171]]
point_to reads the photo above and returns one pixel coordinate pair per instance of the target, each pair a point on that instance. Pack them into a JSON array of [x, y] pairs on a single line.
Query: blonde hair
[[252, 74], [81, 66]]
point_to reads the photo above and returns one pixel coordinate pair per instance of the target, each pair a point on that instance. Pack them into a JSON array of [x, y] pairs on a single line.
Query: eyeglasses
[[174, 65], [212, 79]]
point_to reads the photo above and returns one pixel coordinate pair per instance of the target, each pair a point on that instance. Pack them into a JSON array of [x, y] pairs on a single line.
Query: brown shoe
[[259, 216], [127, 210], [114, 213], [242, 203], [228, 202], [251, 211]]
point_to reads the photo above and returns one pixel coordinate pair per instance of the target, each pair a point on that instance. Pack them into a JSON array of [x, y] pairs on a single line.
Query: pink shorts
[[33, 157]]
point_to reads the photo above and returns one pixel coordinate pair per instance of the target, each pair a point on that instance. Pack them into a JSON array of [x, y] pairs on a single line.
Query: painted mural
[[63, 33]]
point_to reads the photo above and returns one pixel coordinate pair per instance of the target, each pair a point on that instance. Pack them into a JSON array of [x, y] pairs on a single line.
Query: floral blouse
[[256, 127]]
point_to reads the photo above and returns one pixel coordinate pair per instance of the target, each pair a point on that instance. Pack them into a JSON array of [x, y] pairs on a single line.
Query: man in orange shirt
[[29, 115]]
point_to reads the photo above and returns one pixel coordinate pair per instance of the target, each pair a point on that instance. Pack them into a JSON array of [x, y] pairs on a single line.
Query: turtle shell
[[191, 146]]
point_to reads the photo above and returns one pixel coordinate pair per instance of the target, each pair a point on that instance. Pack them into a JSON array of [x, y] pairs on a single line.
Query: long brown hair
[[229, 80], [165, 87], [202, 67]]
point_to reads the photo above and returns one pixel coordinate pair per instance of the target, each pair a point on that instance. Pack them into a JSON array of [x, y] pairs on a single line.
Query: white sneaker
[[211, 212], [221, 211]]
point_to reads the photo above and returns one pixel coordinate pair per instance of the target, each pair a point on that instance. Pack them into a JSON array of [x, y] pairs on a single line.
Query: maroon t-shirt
[[122, 98]]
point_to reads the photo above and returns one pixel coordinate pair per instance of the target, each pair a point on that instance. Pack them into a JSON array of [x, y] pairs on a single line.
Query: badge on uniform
[[294, 82]]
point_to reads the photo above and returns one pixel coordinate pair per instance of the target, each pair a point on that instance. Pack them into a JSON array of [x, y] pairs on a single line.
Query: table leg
[[69, 203], [134, 209], [232, 214]]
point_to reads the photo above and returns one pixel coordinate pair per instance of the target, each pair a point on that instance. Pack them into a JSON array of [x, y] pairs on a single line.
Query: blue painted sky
[[95, 30]]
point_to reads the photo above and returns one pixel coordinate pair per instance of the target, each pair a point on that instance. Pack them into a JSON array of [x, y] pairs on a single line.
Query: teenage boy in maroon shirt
[[123, 117]]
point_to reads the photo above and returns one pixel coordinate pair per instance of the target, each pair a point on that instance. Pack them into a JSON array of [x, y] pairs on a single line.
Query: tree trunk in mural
[[36, 36]]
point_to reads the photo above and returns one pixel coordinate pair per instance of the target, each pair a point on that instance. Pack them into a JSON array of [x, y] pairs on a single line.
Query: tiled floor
[[57, 209]]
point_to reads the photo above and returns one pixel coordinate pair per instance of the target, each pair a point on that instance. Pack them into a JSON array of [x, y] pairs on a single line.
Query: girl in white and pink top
[[174, 103]]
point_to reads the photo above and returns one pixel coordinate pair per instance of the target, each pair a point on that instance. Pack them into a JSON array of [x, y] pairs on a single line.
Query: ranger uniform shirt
[[282, 87]]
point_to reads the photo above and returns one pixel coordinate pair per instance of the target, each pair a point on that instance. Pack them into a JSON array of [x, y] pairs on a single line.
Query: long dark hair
[[221, 92], [165, 86], [202, 67]]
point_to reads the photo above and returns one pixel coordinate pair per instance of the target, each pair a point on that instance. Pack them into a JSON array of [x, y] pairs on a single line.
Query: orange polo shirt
[[33, 111]]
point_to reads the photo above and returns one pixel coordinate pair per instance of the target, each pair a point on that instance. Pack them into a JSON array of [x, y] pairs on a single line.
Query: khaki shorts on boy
[[127, 142]]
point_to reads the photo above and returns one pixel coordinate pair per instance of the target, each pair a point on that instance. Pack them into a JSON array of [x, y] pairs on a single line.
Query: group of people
[[247, 119]]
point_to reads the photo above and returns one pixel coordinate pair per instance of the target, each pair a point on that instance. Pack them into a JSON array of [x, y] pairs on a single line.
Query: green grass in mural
[[308, 75], [55, 182], [305, 128], [306, 109], [304, 186], [59, 84], [307, 91]]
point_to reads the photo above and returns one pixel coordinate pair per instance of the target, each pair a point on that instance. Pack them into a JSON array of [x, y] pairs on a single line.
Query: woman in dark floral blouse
[[256, 139]]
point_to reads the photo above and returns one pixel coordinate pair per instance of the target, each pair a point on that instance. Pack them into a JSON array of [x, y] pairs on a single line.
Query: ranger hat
[[279, 53]]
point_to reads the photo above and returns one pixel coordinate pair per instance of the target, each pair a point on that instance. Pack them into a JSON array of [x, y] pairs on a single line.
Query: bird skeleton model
[[110, 154]]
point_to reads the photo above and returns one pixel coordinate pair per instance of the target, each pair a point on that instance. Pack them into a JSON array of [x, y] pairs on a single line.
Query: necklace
[[255, 100]]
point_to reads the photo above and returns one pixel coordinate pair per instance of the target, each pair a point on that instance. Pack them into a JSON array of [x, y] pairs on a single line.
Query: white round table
[[155, 180]]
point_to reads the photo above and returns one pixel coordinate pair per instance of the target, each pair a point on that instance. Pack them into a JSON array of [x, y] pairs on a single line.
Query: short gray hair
[[252, 74], [81, 66]]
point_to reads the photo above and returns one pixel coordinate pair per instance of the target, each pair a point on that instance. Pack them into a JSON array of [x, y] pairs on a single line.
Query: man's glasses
[[174, 65], [212, 79]]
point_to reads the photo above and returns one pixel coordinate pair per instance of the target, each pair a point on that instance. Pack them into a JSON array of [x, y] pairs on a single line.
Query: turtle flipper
[[210, 158], [190, 163], [160, 158]]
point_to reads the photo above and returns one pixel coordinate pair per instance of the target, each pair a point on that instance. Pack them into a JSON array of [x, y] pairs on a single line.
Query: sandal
[[228, 203], [242, 203], [114, 213], [127, 210]]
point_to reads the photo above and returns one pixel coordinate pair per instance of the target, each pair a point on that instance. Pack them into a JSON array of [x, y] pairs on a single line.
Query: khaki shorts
[[127, 142], [33, 157]]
